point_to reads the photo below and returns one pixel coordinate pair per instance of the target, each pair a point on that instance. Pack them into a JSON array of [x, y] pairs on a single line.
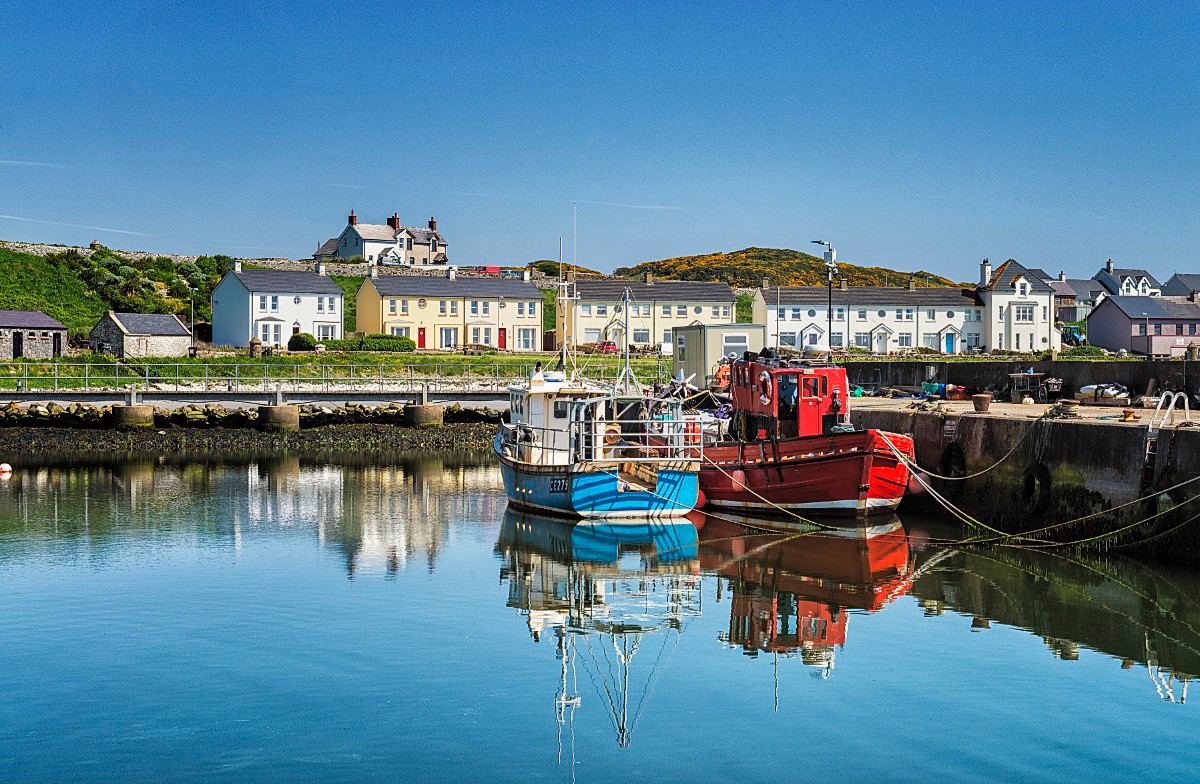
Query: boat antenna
[[626, 382]]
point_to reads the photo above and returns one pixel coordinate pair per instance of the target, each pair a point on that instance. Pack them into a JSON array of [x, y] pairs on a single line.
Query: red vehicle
[[607, 347], [789, 446]]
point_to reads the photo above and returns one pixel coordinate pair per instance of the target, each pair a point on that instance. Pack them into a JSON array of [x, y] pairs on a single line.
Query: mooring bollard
[[280, 418], [132, 415], [423, 415]]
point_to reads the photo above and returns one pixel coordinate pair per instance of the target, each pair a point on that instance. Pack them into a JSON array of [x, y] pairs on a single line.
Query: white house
[[1010, 309], [274, 305], [388, 243], [1019, 309]]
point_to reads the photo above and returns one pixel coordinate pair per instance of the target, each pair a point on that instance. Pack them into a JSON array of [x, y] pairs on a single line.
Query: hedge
[[372, 343]]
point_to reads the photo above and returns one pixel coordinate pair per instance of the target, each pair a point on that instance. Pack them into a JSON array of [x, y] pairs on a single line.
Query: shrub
[[302, 341], [372, 343], [1083, 351]]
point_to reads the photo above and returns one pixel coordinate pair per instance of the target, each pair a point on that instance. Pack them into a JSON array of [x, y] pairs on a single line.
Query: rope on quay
[[1029, 539], [912, 465]]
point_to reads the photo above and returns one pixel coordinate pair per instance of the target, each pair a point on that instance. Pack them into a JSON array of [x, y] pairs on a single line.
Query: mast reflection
[[793, 584], [604, 590]]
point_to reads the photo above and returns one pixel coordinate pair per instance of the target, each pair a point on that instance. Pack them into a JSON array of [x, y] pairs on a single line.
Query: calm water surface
[[298, 619]]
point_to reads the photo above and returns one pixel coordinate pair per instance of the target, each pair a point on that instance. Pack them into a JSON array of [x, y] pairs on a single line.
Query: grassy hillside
[[77, 289], [783, 266]]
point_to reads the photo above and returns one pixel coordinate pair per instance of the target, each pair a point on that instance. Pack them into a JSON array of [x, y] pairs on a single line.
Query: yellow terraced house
[[594, 311], [446, 313]]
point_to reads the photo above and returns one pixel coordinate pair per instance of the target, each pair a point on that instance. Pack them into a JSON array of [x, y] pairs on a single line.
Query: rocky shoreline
[[19, 444]]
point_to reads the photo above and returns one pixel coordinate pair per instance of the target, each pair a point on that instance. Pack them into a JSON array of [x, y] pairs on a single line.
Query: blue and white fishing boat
[[579, 448]]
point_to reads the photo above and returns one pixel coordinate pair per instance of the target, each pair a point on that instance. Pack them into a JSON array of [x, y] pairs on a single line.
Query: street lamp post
[[831, 272]]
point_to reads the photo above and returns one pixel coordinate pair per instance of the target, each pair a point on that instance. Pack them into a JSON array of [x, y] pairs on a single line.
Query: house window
[[441, 307], [1023, 313], [408, 246], [1141, 329], [716, 311], [487, 335], [931, 315], [275, 303], [475, 335], [1191, 329], [326, 332], [526, 339], [591, 336], [666, 310], [862, 339], [839, 315], [454, 307], [812, 338], [949, 314], [520, 308], [724, 311], [796, 314], [447, 337], [262, 303], [929, 340], [1018, 343], [475, 309], [1045, 313], [681, 310], [392, 307], [666, 336], [486, 307], [641, 336], [533, 309], [862, 314], [835, 339], [585, 309], [787, 339], [400, 332], [320, 304], [973, 340], [404, 307], [681, 345], [1158, 329], [699, 310], [602, 310], [812, 314], [905, 339]]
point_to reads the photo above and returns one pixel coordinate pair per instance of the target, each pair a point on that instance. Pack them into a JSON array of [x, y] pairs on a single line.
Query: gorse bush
[[1082, 351]]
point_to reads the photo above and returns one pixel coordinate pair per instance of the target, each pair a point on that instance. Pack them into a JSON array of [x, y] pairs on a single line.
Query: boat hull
[[846, 474], [595, 491]]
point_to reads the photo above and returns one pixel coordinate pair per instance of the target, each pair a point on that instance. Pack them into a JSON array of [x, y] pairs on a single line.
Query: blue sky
[[929, 136]]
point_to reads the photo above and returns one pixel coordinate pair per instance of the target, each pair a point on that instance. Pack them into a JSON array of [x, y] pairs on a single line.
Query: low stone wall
[[87, 416], [993, 375]]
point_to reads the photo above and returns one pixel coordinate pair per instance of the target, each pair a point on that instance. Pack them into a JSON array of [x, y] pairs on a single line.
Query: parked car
[[608, 347]]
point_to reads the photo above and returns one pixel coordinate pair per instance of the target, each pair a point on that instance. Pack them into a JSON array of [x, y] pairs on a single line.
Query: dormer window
[[1022, 289]]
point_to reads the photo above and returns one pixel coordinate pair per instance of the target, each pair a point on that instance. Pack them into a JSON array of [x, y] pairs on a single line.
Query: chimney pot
[[570, 274], [319, 269], [985, 272], [374, 273], [1109, 266], [432, 224], [648, 277], [526, 274], [450, 273], [845, 285], [1192, 296], [394, 221], [353, 219], [236, 266], [912, 284], [766, 282], [1062, 277]]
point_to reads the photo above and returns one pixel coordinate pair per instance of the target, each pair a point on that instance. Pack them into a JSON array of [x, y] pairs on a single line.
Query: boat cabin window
[[811, 386], [560, 408], [787, 391]]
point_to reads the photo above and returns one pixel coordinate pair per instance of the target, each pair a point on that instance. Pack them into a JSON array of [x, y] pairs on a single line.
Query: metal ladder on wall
[[1164, 414]]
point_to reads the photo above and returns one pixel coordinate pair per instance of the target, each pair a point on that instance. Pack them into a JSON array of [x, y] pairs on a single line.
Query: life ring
[[612, 434], [764, 388]]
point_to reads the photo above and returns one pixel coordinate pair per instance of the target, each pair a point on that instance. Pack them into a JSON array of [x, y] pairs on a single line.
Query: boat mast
[[626, 383]]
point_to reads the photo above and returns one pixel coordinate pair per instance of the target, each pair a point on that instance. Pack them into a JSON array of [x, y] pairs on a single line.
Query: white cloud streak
[[629, 206], [344, 185], [73, 225], [38, 164]]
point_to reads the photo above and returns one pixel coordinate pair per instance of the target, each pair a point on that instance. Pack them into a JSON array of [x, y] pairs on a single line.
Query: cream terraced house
[[881, 319], [594, 310], [443, 313]]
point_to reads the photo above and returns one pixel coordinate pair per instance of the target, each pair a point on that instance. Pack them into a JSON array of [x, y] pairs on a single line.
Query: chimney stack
[[912, 284], [394, 221], [766, 282], [985, 273], [374, 273], [1192, 296], [649, 278], [450, 273], [352, 220], [432, 224], [319, 268], [1109, 267], [526, 275], [236, 265], [570, 274], [1062, 277], [845, 286]]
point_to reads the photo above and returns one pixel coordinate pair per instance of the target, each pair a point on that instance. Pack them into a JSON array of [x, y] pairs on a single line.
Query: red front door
[[420, 337], [503, 338]]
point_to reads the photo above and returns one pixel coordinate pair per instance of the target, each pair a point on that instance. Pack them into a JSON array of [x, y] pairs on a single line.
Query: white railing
[[270, 377], [605, 440]]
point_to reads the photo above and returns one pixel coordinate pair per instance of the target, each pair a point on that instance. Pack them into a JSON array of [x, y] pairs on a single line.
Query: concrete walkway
[[1015, 410]]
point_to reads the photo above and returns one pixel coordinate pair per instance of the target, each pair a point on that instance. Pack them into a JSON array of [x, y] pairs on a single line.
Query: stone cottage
[[140, 335], [30, 334]]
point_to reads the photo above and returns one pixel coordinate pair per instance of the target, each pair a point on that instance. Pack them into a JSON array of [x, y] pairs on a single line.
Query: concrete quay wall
[[1059, 470]]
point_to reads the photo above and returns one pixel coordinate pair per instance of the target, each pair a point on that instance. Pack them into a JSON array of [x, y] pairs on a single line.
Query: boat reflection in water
[[793, 584], [604, 589]]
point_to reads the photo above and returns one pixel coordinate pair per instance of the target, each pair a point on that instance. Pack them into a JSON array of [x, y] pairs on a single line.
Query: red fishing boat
[[789, 446]]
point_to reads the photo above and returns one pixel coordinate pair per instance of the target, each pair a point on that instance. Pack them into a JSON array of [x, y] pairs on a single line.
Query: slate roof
[[1006, 273], [659, 291], [328, 248], [1062, 288], [1041, 273], [428, 286], [27, 319], [1156, 307], [891, 296], [1088, 289], [1121, 274], [281, 282], [1182, 284], [150, 324], [384, 233]]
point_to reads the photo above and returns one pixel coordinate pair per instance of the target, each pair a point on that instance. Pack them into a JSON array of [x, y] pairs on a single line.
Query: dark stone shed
[[30, 334]]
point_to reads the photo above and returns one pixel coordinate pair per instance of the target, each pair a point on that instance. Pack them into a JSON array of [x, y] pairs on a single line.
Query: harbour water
[[313, 618]]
